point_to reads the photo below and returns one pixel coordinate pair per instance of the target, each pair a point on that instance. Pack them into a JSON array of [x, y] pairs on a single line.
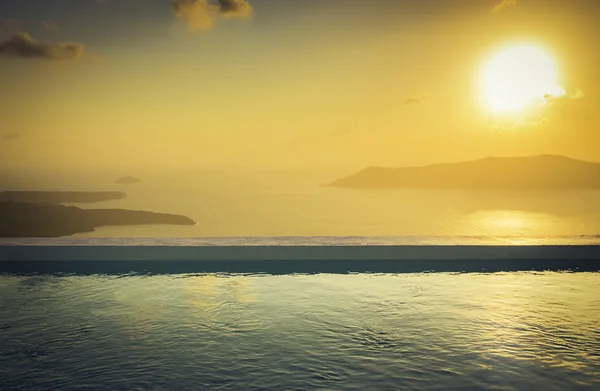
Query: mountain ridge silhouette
[[531, 172]]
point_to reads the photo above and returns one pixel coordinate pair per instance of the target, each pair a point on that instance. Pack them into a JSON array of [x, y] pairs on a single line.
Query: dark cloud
[[200, 15], [10, 137], [235, 8], [24, 45], [504, 4]]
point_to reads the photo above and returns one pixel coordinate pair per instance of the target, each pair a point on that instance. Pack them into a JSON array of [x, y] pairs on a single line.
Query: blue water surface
[[425, 331]]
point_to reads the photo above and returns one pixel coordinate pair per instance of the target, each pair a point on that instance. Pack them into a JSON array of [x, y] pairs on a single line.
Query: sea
[[228, 203], [509, 300]]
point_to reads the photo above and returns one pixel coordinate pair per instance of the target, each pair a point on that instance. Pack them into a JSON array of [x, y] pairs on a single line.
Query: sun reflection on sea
[[513, 223]]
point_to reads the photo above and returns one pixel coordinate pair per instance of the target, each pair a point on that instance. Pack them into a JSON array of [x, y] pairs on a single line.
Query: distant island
[[127, 180], [21, 219], [58, 197], [40, 213], [535, 172]]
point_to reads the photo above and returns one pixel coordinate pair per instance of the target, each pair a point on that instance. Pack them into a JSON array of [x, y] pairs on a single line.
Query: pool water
[[426, 331]]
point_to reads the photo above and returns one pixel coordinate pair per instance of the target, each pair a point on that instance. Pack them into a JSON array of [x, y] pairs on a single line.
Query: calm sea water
[[437, 331], [230, 203]]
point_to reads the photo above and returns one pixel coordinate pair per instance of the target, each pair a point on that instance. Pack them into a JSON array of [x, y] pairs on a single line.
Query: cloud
[[50, 25], [197, 14], [561, 96], [578, 94], [235, 8], [541, 113], [414, 100], [10, 137], [504, 4], [24, 45], [201, 14]]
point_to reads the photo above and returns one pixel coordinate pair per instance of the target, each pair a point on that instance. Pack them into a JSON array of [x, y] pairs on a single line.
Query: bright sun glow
[[517, 77]]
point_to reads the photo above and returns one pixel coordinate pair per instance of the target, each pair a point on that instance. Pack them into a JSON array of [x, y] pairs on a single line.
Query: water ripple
[[503, 331]]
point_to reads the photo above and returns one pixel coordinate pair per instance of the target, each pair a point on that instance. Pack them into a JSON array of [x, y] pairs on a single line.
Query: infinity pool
[[433, 331]]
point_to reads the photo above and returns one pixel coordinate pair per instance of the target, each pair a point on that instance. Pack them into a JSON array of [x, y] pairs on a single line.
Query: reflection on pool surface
[[435, 331]]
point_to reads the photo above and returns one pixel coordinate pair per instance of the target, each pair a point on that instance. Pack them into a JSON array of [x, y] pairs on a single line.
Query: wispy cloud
[[414, 100], [578, 94], [551, 105], [561, 96], [24, 45], [50, 25], [504, 4], [10, 137], [200, 15]]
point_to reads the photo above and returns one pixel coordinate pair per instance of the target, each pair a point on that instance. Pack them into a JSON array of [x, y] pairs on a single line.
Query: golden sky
[[293, 84]]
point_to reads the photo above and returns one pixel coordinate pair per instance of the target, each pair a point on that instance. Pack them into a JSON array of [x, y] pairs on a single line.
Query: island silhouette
[[40, 214], [20, 219], [540, 172]]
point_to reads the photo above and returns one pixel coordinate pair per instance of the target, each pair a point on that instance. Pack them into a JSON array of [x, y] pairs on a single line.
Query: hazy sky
[[286, 83]]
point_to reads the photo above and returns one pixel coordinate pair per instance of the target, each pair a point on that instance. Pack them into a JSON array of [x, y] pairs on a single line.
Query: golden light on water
[[512, 222], [517, 77], [205, 293]]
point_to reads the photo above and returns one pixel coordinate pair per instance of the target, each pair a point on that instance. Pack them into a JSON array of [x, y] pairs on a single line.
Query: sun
[[517, 77]]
